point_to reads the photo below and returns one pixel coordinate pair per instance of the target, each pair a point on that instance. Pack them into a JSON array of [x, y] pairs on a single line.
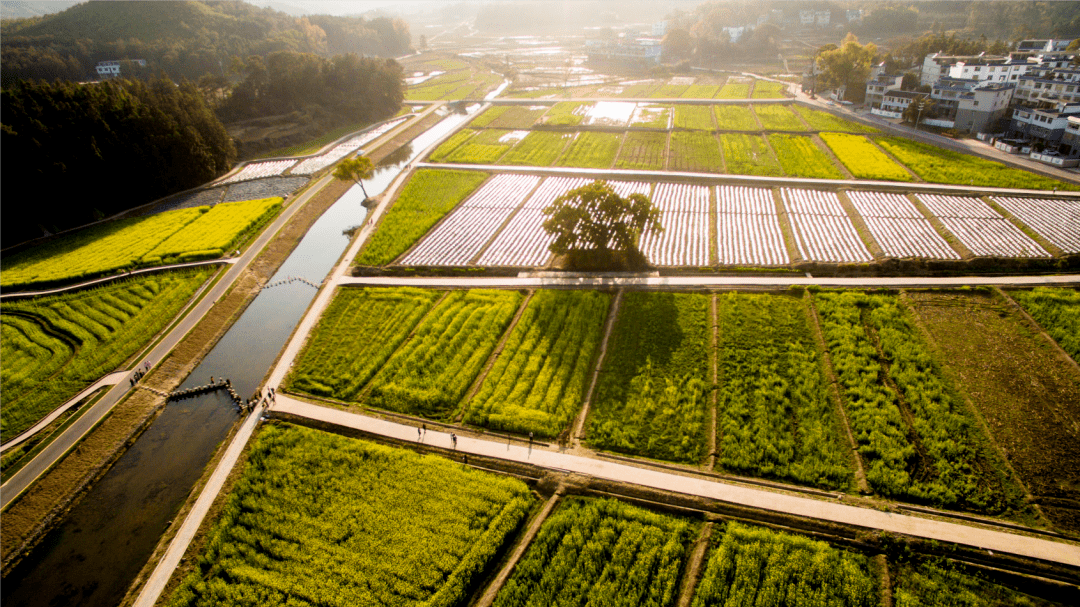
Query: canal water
[[92, 557]]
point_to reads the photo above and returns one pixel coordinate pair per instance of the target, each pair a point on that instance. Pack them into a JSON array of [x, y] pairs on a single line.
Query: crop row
[[259, 170], [774, 415], [1058, 311], [55, 346], [863, 159], [336, 153], [748, 227], [823, 231], [141, 241], [398, 529]]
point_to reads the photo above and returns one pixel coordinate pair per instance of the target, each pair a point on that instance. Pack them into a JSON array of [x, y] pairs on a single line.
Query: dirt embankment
[[46, 501]]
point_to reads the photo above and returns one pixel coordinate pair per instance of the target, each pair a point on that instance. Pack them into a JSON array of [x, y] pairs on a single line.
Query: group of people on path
[[140, 372]]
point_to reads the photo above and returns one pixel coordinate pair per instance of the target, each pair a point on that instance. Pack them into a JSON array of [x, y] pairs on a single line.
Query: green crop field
[[774, 415], [485, 148], [215, 232], [359, 331], [519, 117], [124, 244], [601, 552], [735, 118], [452, 143], [669, 91], [538, 381], [490, 115], [929, 582], [763, 89], [643, 150], [640, 90], [799, 156], [697, 117], [695, 151], [940, 455], [53, 347], [1058, 311], [455, 85], [750, 565], [701, 91], [592, 150], [429, 195], [748, 155], [652, 396], [321, 519], [538, 148], [864, 159], [432, 370], [651, 116], [566, 113], [824, 121], [938, 165], [778, 118], [734, 90]]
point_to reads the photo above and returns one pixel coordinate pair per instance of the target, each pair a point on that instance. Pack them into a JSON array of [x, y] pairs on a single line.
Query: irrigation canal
[[91, 558]]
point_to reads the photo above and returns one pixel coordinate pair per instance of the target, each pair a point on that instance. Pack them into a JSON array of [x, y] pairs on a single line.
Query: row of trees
[[74, 153]]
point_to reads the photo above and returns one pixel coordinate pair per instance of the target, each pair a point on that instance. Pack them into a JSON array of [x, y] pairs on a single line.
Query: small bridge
[[290, 280]]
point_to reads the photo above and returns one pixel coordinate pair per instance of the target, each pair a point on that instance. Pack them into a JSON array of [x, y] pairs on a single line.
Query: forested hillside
[[74, 153], [183, 39]]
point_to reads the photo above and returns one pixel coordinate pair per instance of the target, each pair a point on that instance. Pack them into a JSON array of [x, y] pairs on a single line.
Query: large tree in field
[[355, 169], [847, 66], [593, 224]]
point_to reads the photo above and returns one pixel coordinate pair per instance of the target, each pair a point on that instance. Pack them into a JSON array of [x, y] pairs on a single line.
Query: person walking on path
[[418, 436], [424, 426], [453, 440]]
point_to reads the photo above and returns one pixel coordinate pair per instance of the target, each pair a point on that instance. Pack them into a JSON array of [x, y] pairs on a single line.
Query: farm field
[[398, 529], [938, 165], [735, 118], [748, 155], [643, 150], [694, 117], [778, 118], [538, 148], [429, 374], [423, 201], [650, 116], [670, 91], [927, 581], [982, 229], [695, 151], [774, 415], [824, 121], [1025, 390], [467, 228], [539, 380], [747, 562], [799, 156], [124, 244], [863, 159], [823, 230], [916, 435], [510, 117], [452, 143], [486, 147], [701, 91], [734, 90], [1058, 221], [763, 89], [684, 213], [1057, 311], [566, 113], [524, 242], [748, 227], [899, 227], [356, 335], [55, 346], [467, 83], [652, 395], [592, 150], [601, 552]]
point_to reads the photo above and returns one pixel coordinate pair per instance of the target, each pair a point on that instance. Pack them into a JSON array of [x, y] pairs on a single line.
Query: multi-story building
[[989, 68], [895, 102], [879, 86], [1044, 128], [111, 69], [969, 105], [1070, 139], [1048, 85]]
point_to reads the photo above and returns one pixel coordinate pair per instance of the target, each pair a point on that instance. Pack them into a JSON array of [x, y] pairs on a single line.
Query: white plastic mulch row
[[259, 170], [465, 231], [909, 237], [986, 236], [1055, 220], [957, 206], [823, 230], [739, 199], [552, 188], [318, 163], [755, 239], [522, 243], [681, 197], [684, 241], [899, 227], [748, 228], [884, 204]]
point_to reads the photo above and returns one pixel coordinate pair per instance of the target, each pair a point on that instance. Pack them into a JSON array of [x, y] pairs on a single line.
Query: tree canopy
[[355, 169], [595, 218], [847, 66], [74, 152]]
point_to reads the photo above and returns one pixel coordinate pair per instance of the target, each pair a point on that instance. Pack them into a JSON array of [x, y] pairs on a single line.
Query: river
[[91, 558]]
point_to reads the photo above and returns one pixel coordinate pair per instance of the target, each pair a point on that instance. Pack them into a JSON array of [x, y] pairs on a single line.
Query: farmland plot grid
[[748, 227], [1055, 220], [258, 170], [899, 227], [465, 231], [523, 242], [982, 229], [823, 231], [684, 214]]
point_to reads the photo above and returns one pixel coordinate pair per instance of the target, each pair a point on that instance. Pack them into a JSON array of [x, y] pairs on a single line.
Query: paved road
[[109, 380], [55, 450], [724, 178], [527, 280], [997, 541]]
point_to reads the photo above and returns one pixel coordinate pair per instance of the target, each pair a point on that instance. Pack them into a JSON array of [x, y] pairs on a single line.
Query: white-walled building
[[111, 69]]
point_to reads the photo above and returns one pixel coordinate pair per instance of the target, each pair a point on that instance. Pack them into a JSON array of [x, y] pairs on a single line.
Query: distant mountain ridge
[[23, 9]]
